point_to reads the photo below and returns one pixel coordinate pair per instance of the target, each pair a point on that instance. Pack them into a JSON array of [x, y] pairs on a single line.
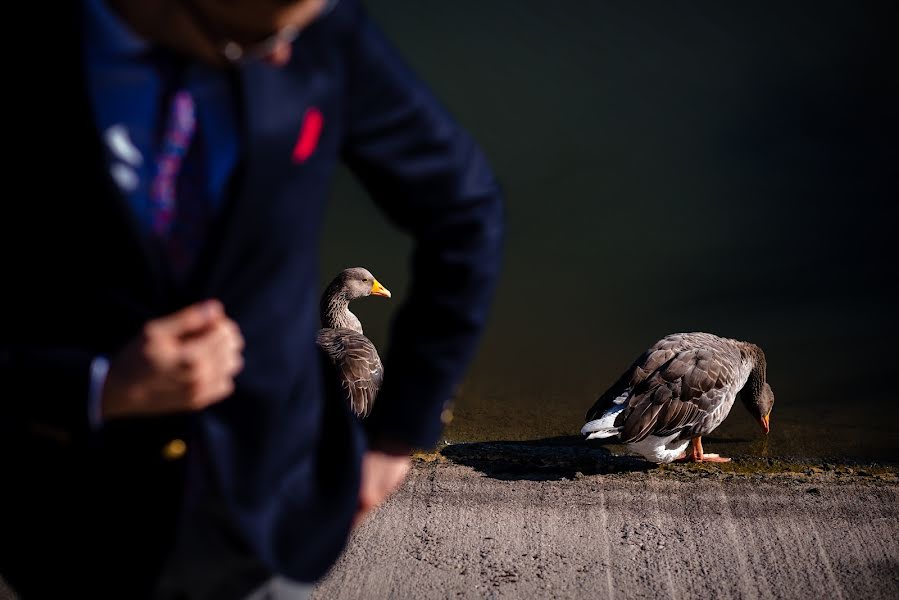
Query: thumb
[[191, 319]]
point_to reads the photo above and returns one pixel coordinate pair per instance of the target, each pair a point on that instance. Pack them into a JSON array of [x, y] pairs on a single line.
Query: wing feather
[[639, 370], [676, 397], [357, 366], [680, 385]]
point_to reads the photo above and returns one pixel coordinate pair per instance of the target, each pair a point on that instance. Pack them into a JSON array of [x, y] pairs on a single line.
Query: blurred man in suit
[[164, 425]]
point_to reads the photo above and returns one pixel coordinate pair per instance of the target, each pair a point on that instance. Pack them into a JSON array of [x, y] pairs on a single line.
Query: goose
[[357, 365], [679, 390]]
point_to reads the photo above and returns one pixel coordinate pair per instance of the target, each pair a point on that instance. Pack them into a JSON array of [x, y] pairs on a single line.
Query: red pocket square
[[309, 134]]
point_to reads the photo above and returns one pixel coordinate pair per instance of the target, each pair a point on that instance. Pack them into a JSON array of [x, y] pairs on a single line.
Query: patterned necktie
[[175, 196]]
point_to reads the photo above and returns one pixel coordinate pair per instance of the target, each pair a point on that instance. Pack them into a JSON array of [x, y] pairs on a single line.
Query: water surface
[[668, 167]]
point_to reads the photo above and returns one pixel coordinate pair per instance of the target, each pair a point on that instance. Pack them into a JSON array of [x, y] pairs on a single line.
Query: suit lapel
[[269, 121], [145, 253]]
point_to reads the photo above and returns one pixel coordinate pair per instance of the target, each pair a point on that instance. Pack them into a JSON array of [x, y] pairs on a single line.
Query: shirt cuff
[[99, 369]]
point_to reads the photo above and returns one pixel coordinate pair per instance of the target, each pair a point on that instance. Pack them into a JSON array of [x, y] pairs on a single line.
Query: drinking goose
[[357, 365], [680, 389]]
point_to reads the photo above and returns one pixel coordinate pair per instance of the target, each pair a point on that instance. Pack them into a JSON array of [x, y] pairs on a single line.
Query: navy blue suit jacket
[[83, 279]]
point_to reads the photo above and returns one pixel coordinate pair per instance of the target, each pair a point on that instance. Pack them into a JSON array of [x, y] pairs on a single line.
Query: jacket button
[[174, 450]]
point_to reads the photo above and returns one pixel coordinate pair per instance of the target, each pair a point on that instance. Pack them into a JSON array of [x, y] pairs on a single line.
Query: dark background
[[669, 166]]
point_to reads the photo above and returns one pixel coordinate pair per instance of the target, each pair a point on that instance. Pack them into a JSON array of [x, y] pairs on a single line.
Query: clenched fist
[[384, 467], [181, 362]]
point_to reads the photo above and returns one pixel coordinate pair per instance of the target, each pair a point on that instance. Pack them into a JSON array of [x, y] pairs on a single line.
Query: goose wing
[[677, 396], [645, 365], [357, 366]]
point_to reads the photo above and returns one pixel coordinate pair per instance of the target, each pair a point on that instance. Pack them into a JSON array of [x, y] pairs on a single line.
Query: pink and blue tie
[[174, 196]]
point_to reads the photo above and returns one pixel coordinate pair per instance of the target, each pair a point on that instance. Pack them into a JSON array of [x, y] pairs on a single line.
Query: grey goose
[[355, 360], [679, 390]]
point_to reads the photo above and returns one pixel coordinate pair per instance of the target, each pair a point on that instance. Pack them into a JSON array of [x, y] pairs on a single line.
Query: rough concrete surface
[[517, 521]]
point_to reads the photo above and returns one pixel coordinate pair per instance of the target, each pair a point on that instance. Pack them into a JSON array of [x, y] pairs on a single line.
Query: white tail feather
[[604, 426], [604, 433]]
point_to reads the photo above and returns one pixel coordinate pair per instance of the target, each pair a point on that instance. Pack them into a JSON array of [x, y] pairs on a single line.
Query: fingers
[[220, 341], [209, 363], [226, 354], [188, 321], [382, 474], [182, 362]]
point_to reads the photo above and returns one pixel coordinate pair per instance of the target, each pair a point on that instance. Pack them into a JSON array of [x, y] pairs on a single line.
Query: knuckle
[[195, 384], [192, 388], [192, 370], [227, 388], [197, 399], [192, 360], [151, 330]]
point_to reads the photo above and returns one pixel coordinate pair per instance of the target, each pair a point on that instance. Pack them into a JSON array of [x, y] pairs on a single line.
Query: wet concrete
[[512, 520]]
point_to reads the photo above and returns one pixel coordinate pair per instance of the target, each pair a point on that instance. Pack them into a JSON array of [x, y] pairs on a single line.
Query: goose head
[[757, 396], [357, 283], [760, 406], [759, 400], [348, 285]]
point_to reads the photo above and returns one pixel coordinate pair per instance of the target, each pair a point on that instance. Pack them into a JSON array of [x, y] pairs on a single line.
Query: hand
[[181, 362], [382, 473]]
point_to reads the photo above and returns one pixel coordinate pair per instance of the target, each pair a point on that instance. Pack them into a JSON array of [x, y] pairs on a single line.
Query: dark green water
[[724, 167]]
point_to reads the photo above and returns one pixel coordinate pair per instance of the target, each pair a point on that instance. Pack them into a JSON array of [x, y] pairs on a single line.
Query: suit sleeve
[[46, 390], [432, 181]]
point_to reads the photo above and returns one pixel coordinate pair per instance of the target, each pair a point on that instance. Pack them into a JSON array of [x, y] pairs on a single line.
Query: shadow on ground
[[547, 459], [571, 457]]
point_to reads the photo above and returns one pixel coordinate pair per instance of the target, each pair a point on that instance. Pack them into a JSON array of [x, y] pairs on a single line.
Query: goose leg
[[696, 454]]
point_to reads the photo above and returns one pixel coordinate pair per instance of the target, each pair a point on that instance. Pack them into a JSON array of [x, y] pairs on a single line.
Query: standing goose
[[356, 363], [679, 390]]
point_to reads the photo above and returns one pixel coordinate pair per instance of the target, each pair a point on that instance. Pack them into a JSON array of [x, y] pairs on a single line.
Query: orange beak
[[379, 290], [764, 423]]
